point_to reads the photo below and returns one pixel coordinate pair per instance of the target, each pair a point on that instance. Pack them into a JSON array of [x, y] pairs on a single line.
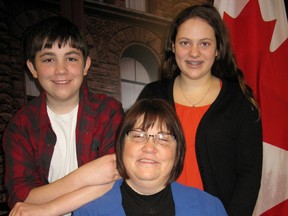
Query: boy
[[65, 127]]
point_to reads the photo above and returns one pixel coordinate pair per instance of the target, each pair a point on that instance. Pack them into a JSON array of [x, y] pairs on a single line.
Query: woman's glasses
[[141, 137]]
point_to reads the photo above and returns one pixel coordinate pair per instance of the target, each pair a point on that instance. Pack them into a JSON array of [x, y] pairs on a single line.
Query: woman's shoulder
[[198, 202], [108, 204], [231, 86], [157, 89], [187, 191], [231, 94], [158, 83]]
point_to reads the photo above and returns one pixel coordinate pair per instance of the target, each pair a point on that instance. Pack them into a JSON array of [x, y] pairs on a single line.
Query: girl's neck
[[194, 84], [196, 93]]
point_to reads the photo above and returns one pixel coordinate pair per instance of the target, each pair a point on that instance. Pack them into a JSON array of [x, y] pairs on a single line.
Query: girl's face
[[195, 48]]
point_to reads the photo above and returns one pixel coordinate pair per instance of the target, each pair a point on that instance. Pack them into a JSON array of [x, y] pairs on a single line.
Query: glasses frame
[[156, 137]]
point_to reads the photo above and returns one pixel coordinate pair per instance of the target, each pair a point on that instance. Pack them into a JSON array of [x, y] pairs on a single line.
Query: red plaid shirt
[[29, 140]]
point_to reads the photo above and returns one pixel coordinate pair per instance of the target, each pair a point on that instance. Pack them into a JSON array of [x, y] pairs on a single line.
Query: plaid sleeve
[[21, 172], [97, 127], [113, 116]]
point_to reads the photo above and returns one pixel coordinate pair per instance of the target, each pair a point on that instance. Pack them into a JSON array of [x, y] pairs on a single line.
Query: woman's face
[[195, 48], [148, 164]]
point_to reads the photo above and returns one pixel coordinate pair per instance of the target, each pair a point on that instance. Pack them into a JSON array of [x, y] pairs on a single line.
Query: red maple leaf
[[266, 72]]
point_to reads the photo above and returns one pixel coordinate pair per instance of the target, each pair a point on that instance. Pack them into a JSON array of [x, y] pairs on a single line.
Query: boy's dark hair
[[46, 32]]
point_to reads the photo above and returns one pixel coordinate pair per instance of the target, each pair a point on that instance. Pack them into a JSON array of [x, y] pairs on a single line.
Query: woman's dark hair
[[224, 66], [153, 111], [50, 30]]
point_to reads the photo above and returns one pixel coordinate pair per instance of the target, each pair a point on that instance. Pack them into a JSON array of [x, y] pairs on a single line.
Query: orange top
[[190, 118]]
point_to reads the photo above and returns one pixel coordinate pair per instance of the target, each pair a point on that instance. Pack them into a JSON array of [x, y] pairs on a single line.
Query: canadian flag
[[259, 31]]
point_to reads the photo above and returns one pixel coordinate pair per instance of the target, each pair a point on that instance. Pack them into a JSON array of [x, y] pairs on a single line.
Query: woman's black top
[[158, 204]]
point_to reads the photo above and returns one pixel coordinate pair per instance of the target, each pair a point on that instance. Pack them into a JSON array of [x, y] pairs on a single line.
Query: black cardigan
[[228, 146]]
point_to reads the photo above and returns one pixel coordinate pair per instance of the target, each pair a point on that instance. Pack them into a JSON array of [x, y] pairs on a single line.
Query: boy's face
[[60, 72]]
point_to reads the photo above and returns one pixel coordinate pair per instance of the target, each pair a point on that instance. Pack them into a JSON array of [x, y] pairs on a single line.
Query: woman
[[218, 113], [150, 150]]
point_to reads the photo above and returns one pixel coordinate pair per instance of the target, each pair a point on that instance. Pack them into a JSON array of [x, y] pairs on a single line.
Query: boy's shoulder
[[99, 103], [30, 114], [102, 99]]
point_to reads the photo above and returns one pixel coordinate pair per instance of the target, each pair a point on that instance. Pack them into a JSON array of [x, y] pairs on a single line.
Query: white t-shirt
[[64, 158]]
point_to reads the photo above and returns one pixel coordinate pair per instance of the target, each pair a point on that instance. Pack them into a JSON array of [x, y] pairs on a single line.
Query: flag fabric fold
[[259, 37]]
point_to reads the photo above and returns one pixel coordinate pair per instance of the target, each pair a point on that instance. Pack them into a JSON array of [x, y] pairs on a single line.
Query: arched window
[[138, 67]]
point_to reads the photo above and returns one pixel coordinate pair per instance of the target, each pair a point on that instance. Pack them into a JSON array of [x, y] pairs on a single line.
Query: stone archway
[[133, 35], [128, 37]]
